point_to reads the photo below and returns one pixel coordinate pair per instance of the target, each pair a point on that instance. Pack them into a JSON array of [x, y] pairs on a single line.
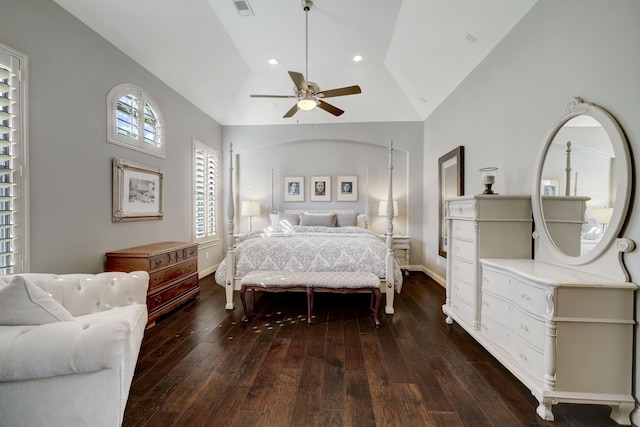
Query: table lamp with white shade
[[603, 216], [250, 209], [382, 208]]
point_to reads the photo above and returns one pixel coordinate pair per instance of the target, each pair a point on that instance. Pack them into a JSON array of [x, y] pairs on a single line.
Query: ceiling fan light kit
[[308, 94]]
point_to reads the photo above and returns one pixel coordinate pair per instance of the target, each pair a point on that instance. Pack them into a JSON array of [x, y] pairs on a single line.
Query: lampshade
[[307, 103], [250, 208], [602, 215], [382, 209]]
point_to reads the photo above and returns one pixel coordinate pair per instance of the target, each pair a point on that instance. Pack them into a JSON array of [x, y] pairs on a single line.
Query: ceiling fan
[[308, 94]]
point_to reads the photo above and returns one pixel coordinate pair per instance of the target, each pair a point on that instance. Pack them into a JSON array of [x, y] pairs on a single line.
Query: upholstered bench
[[311, 281]]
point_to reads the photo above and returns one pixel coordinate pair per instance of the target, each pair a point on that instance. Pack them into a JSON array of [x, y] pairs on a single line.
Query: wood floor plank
[[257, 398], [385, 404], [413, 411], [280, 407], [359, 402], [334, 387]]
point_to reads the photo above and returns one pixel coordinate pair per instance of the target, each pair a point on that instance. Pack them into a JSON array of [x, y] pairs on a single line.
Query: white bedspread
[[301, 248]]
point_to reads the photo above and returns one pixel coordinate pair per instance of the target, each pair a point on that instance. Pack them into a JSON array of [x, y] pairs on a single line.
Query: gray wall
[[503, 110], [345, 149], [71, 71]]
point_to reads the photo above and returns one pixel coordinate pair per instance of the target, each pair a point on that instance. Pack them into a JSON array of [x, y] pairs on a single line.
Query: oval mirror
[[583, 184]]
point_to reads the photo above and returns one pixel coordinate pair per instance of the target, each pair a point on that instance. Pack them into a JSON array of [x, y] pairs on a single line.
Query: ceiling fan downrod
[[306, 6]]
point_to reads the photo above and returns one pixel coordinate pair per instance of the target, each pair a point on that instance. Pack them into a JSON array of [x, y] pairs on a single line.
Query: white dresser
[[477, 228], [566, 334]]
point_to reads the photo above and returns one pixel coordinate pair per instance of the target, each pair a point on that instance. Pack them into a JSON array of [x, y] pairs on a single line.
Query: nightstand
[[401, 242]]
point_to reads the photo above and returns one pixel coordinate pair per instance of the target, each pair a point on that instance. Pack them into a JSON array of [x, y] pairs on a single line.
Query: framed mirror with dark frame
[[450, 184]]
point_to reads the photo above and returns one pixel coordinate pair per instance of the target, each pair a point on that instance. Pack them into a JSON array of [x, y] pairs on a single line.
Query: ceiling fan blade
[[329, 108], [291, 112], [349, 90], [271, 96], [299, 81]]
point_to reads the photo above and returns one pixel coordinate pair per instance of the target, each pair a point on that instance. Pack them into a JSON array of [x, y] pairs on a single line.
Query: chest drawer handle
[[460, 210], [523, 356], [158, 261], [486, 304], [525, 296], [524, 327], [158, 299]]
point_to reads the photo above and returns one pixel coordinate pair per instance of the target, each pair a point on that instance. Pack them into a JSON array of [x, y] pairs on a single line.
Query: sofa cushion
[[23, 303]]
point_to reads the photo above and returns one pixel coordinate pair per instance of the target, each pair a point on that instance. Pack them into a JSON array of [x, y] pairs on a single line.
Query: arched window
[[134, 120]]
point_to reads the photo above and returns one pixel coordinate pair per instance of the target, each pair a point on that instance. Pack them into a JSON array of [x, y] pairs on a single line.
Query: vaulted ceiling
[[415, 52]]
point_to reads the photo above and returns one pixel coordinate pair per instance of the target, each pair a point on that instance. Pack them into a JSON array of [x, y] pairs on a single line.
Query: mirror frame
[[623, 174]]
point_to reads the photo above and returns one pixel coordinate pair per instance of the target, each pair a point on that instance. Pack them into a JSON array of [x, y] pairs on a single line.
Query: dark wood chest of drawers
[[173, 273]]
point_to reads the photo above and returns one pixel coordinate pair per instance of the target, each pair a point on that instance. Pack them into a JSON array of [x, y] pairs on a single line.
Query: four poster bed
[[312, 241]]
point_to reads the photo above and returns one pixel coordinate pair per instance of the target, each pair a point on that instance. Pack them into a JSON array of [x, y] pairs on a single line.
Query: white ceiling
[[415, 51]]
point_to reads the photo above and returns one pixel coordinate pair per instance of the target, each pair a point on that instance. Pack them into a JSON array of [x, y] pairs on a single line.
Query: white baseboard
[[207, 271]]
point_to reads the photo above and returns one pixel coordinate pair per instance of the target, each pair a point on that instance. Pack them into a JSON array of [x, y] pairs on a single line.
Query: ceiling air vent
[[243, 7]]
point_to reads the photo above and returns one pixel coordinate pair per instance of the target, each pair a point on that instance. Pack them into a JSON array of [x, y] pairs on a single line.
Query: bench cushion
[[324, 279]]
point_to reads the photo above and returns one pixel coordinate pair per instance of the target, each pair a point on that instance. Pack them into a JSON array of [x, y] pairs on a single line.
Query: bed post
[[231, 268], [390, 256]]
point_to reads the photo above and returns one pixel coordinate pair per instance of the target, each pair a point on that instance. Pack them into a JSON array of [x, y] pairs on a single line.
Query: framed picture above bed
[[294, 188], [347, 188], [320, 189]]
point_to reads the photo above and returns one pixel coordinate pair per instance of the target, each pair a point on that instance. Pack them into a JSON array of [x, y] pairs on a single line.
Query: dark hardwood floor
[[201, 366]]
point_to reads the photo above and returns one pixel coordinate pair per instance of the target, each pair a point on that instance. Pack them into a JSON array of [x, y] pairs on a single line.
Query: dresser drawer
[[461, 209], [496, 308], [156, 300], [529, 329], [528, 297], [169, 258], [463, 270], [496, 283], [158, 278], [463, 310], [465, 230], [497, 333], [462, 290], [530, 359], [463, 249]]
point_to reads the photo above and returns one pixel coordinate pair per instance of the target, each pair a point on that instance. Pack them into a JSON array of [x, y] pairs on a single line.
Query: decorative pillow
[[346, 219], [292, 219], [324, 219], [24, 303]]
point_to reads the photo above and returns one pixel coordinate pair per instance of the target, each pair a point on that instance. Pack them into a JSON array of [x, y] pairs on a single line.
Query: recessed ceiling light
[[357, 58], [273, 61]]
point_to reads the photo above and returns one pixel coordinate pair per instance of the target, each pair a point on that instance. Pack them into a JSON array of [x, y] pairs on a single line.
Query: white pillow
[[346, 219], [24, 303]]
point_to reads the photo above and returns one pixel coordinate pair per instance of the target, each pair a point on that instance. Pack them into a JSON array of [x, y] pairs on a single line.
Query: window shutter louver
[[205, 191], [12, 147]]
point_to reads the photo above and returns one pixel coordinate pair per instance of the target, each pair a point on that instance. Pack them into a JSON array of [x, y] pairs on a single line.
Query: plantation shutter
[[205, 188], [12, 147]]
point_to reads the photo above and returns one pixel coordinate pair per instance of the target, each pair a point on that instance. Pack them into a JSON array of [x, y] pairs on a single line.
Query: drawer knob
[[486, 304], [523, 356], [460, 210], [525, 296], [158, 299], [158, 261], [524, 327]]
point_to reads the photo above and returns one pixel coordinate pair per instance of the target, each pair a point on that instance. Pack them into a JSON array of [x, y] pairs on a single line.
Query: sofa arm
[[29, 352]]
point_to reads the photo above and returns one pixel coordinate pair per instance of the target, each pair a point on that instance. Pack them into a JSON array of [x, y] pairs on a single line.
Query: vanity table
[[563, 322]]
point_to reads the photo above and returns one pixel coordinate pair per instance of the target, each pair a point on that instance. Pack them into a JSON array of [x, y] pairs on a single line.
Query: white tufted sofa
[[78, 372]]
